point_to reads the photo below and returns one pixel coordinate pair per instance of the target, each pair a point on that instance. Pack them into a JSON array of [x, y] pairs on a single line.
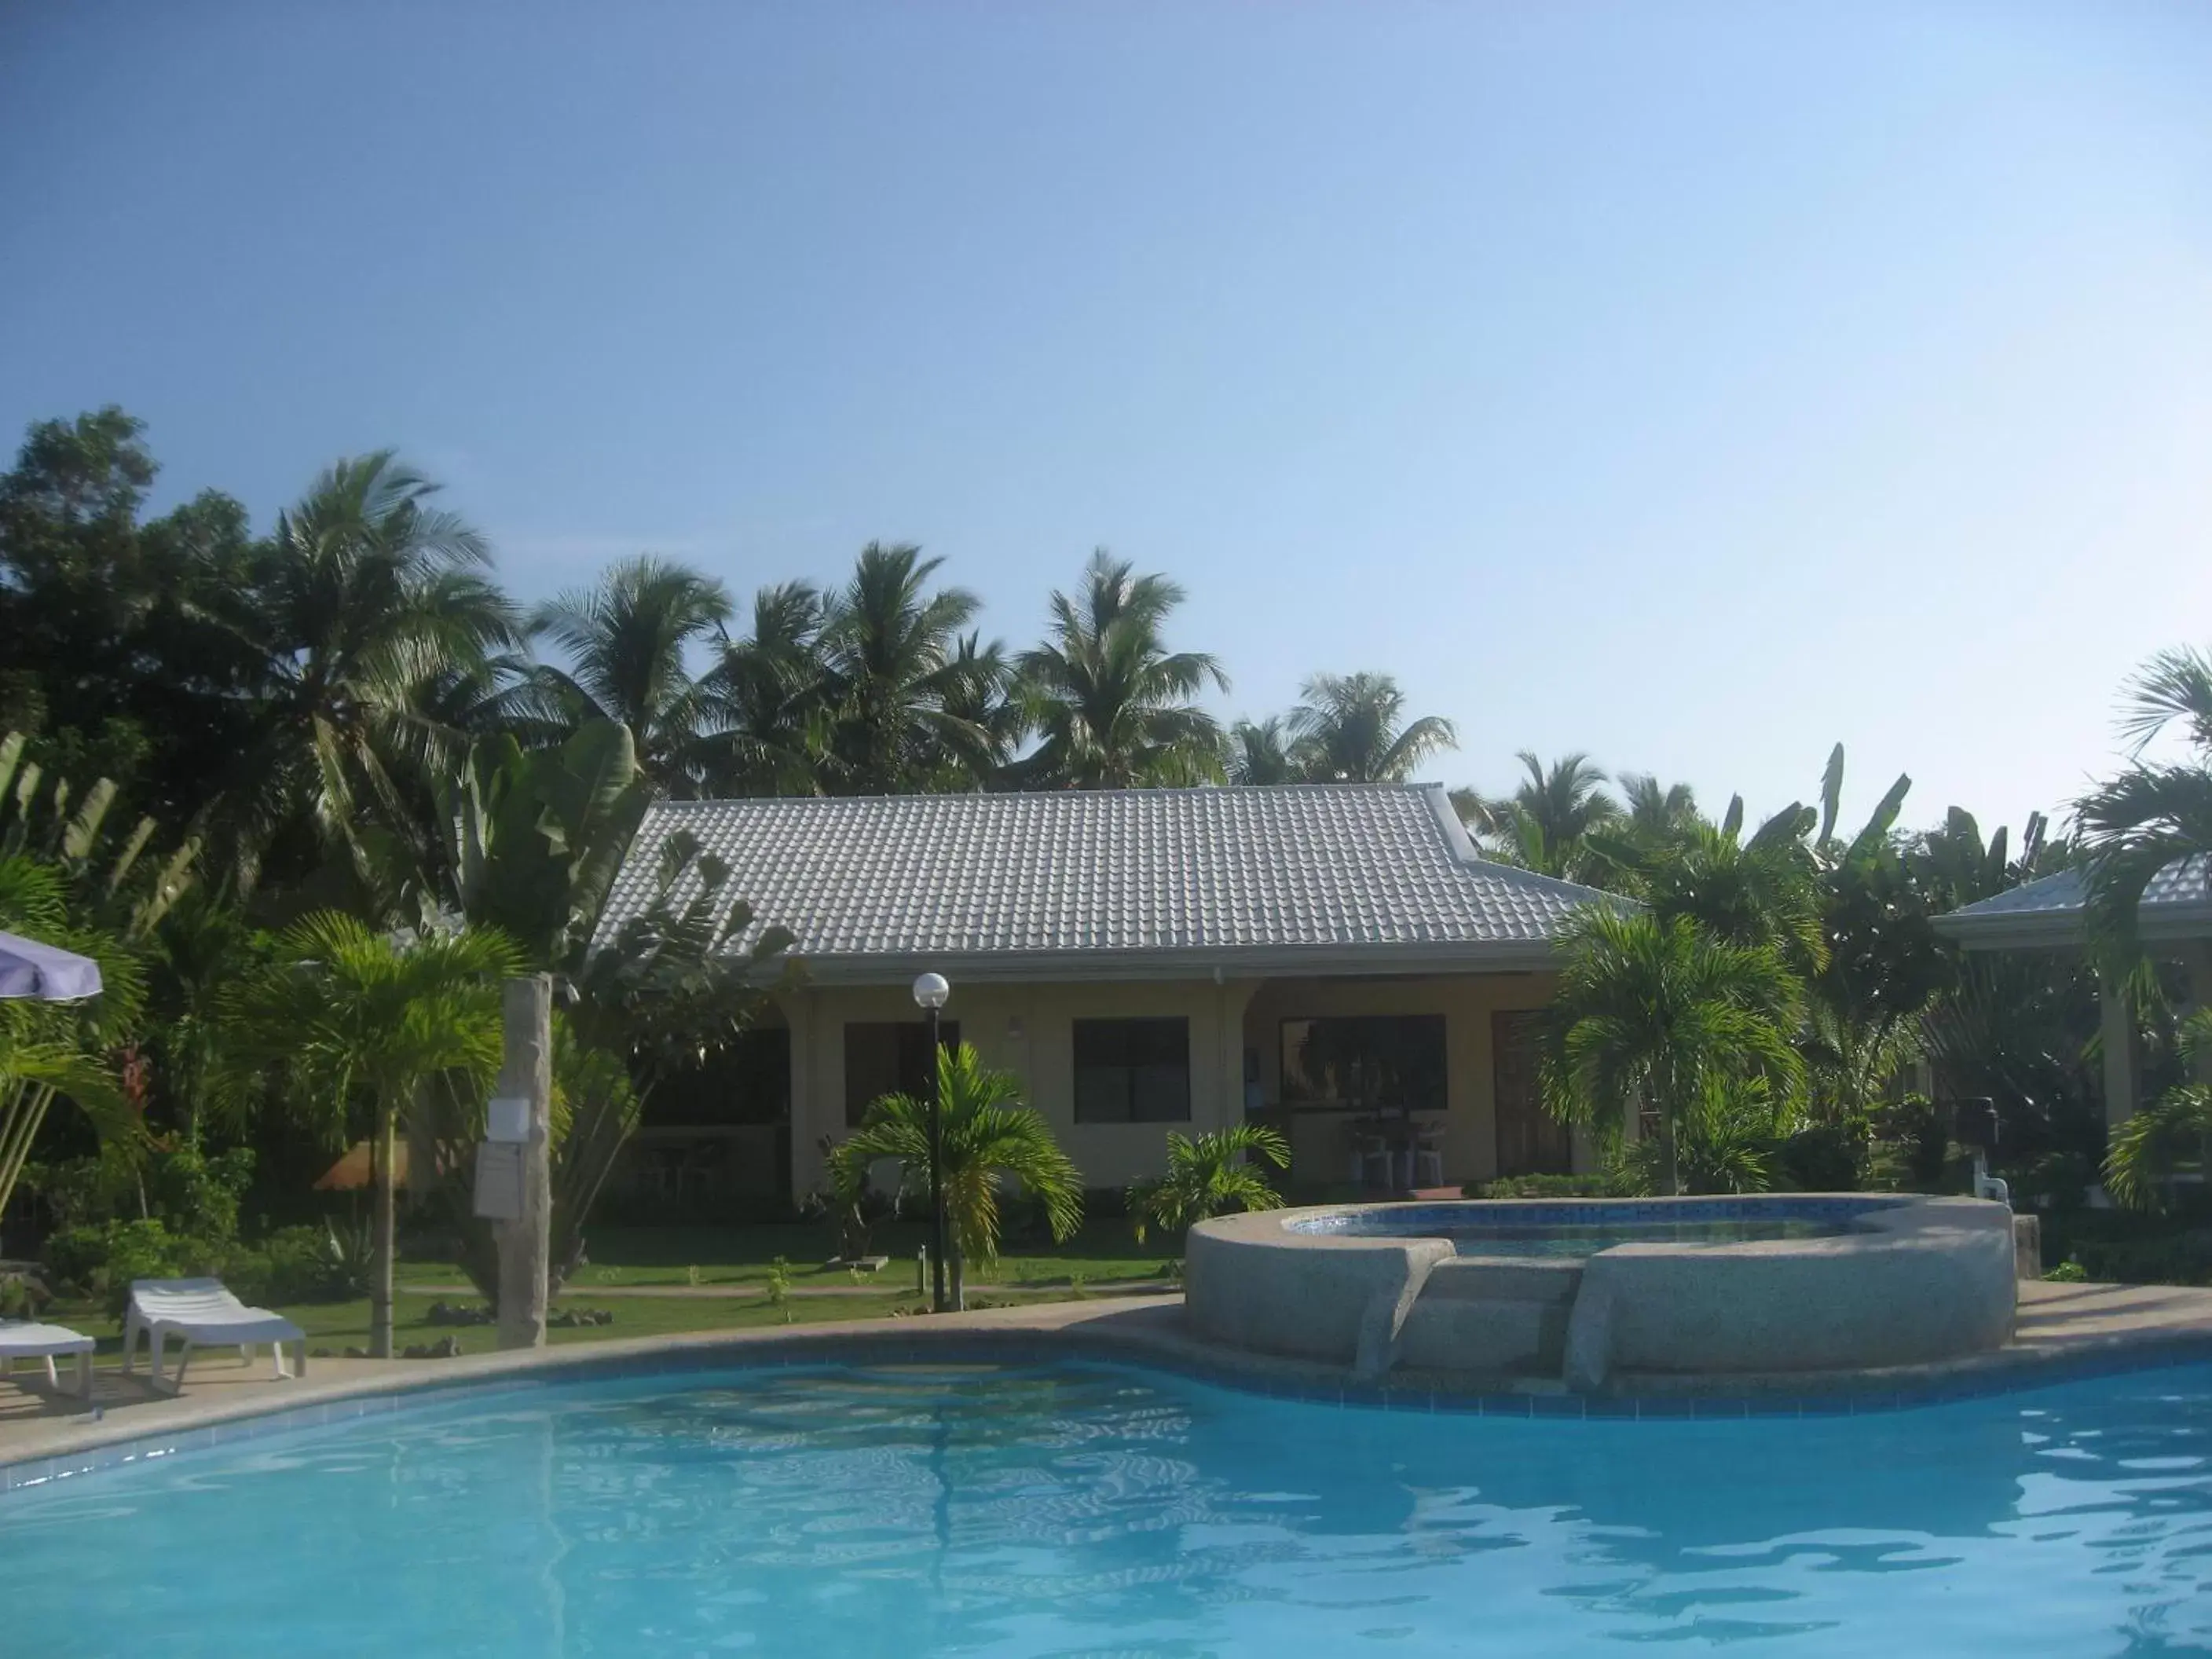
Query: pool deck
[[2064, 1330]]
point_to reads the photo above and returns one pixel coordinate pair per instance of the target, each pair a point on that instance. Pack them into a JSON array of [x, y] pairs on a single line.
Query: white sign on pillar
[[499, 1179]]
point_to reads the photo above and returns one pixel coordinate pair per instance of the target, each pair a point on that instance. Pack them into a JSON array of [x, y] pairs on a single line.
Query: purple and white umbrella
[[28, 969]]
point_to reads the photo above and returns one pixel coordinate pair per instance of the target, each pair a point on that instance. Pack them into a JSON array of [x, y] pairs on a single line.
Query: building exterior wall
[[1029, 1029]]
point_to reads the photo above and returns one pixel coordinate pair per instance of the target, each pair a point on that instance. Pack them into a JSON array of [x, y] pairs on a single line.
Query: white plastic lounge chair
[[21, 1339], [200, 1312]]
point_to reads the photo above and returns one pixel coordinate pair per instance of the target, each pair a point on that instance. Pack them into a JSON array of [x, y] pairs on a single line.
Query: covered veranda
[[2173, 922]]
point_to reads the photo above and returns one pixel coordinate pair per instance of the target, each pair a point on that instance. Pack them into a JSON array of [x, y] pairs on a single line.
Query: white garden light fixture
[[929, 992]]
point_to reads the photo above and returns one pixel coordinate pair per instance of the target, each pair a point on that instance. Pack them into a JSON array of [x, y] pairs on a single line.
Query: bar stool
[[1428, 1160]]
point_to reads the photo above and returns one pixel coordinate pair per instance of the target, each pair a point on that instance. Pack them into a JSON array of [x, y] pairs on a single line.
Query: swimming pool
[[1588, 1290], [1085, 1509]]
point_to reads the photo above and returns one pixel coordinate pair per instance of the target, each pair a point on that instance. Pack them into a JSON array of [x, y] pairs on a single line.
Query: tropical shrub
[[989, 1138], [101, 1259], [1544, 1186], [355, 1027], [2171, 1135], [1823, 1157], [848, 1202], [187, 1225], [192, 1197], [292, 1265], [197, 1191], [1725, 1147], [1912, 1146], [2173, 1253], [2056, 1180], [1657, 1014], [1206, 1177]]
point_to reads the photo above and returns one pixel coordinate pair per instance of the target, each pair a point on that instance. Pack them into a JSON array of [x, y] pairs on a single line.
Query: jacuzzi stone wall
[[1914, 1279]]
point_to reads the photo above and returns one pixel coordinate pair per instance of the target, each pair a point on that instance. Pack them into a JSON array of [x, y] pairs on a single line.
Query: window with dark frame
[[1133, 1070], [889, 1057]]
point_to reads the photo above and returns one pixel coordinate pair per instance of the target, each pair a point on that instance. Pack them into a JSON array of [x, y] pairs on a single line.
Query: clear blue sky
[[1695, 385]]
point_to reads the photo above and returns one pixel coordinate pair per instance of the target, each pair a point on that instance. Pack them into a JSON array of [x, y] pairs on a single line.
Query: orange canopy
[[356, 1169]]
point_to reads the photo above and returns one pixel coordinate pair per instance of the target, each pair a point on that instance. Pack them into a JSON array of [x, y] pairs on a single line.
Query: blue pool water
[[1575, 1228], [1087, 1511], [1578, 1241]]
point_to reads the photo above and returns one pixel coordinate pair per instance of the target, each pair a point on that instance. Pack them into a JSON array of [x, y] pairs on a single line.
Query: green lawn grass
[[1101, 1254], [337, 1326]]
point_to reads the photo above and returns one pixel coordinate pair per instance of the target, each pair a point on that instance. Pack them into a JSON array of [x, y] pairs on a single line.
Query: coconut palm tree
[[627, 640], [894, 679], [1208, 1176], [770, 713], [988, 1137], [1656, 1015], [1653, 813], [1351, 728], [364, 595], [985, 691], [1113, 702], [1544, 824], [1763, 892], [348, 1022], [1259, 752]]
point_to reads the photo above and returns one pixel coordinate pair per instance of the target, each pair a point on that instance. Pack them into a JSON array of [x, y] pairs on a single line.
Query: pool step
[[1490, 1315]]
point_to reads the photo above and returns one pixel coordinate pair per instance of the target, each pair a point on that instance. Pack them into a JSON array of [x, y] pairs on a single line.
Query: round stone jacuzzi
[[1592, 1290]]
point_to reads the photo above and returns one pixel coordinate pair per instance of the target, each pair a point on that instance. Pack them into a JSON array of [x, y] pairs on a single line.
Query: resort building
[[2174, 921], [1334, 959]]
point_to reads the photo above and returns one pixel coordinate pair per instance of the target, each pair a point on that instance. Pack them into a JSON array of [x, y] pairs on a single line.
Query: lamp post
[[930, 991]]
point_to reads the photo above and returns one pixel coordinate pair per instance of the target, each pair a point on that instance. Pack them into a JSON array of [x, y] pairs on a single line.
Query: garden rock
[[461, 1313]]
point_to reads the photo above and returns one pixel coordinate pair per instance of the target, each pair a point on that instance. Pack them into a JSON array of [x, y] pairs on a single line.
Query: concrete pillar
[[1231, 1000], [525, 1243], [2123, 1057], [2197, 958], [1586, 1152]]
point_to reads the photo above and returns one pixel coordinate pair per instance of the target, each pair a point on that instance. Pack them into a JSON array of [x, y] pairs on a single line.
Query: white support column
[[1231, 999], [2197, 958], [1585, 1154], [2122, 1057]]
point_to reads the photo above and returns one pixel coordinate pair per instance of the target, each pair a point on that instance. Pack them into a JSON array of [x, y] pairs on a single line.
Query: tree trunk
[[380, 1269], [1668, 1155], [959, 1281]]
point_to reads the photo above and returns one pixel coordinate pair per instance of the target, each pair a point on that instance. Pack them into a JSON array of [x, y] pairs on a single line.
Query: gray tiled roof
[[1146, 883], [2052, 909]]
